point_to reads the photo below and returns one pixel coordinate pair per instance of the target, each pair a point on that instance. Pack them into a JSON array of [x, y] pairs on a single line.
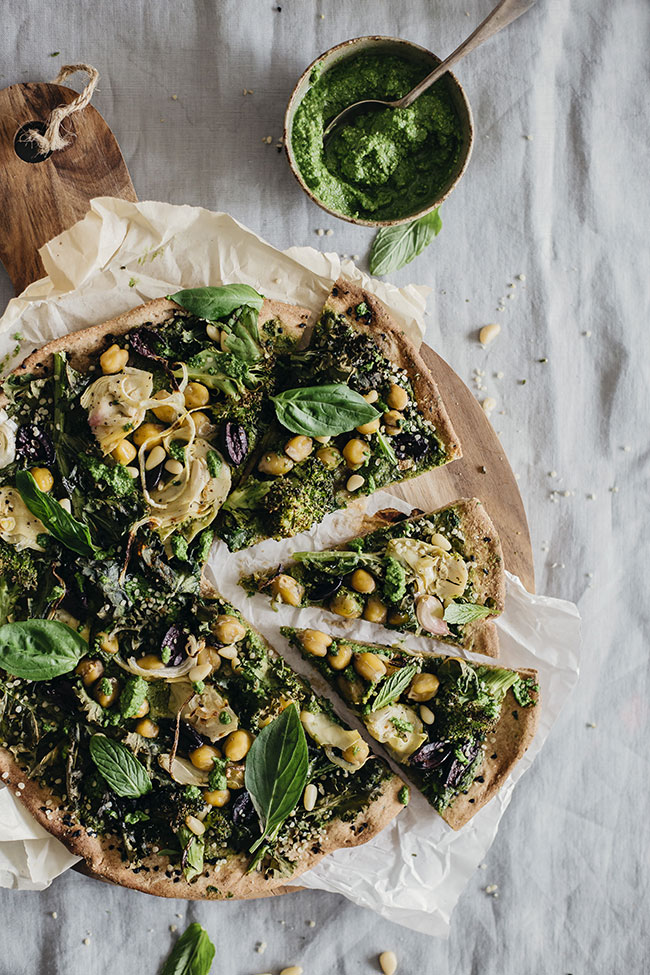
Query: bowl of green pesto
[[386, 166]]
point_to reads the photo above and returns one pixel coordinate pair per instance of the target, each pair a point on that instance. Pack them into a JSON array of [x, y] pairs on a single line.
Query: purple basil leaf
[[143, 341], [432, 755]]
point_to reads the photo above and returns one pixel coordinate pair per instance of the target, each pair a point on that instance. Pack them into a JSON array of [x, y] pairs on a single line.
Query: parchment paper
[[123, 253]]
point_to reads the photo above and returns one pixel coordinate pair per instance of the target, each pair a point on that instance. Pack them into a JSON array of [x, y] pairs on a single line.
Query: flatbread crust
[[507, 744], [481, 541], [155, 875], [343, 300]]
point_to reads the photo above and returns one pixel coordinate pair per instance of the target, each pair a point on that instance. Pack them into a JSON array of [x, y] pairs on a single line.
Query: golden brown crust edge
[[392, 342]]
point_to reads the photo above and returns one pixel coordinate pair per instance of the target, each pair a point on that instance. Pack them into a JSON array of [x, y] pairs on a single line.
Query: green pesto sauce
[[385, 164]]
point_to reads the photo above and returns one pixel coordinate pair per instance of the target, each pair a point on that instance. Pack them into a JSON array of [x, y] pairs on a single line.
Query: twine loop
[[53, 139]]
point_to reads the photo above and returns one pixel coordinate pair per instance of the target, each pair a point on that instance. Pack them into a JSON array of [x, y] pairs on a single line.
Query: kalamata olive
[[34, 445], [234, 442], [243, 810], [189, 738], [325, 589], [152, 476], [174, 640], [413, 445]]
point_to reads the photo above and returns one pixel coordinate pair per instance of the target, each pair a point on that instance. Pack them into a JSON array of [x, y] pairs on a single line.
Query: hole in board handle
[[25, 148]]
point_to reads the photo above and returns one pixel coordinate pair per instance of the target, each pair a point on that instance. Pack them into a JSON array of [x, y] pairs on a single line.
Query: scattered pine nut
[[488, 333], [388, 962]]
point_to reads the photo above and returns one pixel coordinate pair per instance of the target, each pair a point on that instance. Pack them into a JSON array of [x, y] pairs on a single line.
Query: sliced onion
[[182, 770], [429, 610], [160, 673]]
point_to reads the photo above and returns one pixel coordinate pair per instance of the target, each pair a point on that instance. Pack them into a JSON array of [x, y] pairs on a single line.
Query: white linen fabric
[[557, 192]]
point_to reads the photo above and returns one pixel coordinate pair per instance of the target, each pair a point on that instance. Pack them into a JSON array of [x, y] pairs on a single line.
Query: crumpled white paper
[[123, 253]]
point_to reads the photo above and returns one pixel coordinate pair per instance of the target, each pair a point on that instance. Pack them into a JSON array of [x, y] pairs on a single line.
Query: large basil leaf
[[322, 411], [124, 774], [460, 613], [215, 303], [392, 687], [276, 771], [40, 649], [191, 955], [393, 247], [63, 526]]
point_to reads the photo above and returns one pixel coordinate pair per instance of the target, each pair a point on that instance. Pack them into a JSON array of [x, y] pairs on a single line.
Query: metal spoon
[[503, 14]]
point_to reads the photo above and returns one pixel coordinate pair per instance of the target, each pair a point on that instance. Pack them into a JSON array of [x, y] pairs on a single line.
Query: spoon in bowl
[[503, 14]]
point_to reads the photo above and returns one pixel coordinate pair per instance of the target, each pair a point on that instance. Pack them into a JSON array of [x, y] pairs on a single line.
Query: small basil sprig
[[124, 774], [277, 768], [322, 411], [192, 954], [40, 649], [460, 613], [393, 247], [392, 687], [213, 304], [59, 523]]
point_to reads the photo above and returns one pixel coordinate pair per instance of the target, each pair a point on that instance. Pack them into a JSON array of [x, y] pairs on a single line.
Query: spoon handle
[[503, 14]]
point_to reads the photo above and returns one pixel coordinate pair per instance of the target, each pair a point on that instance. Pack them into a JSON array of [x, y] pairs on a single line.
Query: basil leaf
[[63, 526], [392, 687], [276, 773], [215, 303], [466, 612], [322, 411], [40, 649], [124, 774], [393, 247], [193, 852], [191, 955]]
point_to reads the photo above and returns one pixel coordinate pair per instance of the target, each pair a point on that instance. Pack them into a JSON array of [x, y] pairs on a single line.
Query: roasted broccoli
[[18, 574], [294, 503], [471, 698]]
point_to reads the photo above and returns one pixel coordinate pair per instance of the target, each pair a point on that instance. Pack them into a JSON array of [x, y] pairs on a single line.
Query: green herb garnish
[[40, 649], [393, 247], [322, 411], [124, 774], [63, 526]]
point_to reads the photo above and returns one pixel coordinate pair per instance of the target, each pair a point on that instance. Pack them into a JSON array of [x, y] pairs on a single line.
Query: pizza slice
[[172, 749], [437, 575], [458, 728]]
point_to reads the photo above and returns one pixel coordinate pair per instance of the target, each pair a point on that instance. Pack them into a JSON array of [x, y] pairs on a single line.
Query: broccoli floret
[[133, 697], [525, 691], [394, 581], [294, 503], [18, 574], [471, 698]]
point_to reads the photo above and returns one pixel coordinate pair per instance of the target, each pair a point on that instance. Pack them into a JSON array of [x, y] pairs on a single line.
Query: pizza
[[457, 728], [437, 575]]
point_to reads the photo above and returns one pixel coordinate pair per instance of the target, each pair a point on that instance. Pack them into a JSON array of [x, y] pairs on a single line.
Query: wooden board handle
[[39, 200]]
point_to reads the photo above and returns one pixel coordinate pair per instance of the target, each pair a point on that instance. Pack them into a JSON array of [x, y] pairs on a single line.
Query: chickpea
[[316, 642], [89, 671], [147, 728], [393, 421], [374, 610], [142, 710], [218, 797], [371, 396], [276, 464], [202, 423], [113, 360], [356, 754], [167, 413], [196, 394], [203, 757], [330, 457], [299, 448], [148, 433], [352, 690], [362, 581], [287, 590], [43, 478], [124, 453], [237, 745], [371, 427], [356, 453], [369, 666], [346, 604], [397, 618], [423, 687], [228, 629], [340, 659], [107, 691], [150, 662], [397, 397], [107, 642]]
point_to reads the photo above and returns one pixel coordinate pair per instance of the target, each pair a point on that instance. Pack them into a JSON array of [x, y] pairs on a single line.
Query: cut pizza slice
[[356, 409], [183, 757], [458, 728], [438, 575]]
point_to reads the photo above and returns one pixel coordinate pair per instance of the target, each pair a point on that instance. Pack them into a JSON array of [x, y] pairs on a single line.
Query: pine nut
[[228, 652], [200, 672], [156, 456], [355, 482], [310, 796], [388, 962], [488, 333], [174, 467], [213, 332], [65, 504], [132, 472], [488, 404], [195, 825], [292, 970], [427, 715]]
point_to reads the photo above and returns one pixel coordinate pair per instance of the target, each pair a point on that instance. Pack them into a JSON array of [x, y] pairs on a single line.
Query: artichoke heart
[[399, 728], [116, 403], [437, 572], [208, 711], [332, 736]]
